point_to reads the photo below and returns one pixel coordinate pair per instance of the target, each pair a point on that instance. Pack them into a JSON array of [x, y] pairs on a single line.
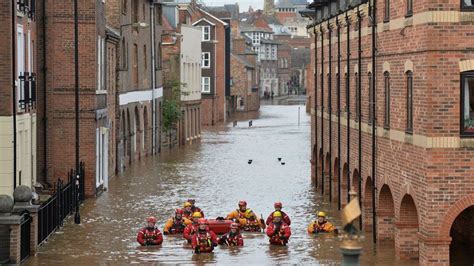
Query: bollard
[[351, 251]]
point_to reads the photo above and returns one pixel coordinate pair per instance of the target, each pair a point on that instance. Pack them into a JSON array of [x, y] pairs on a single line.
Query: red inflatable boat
[[219, 227]]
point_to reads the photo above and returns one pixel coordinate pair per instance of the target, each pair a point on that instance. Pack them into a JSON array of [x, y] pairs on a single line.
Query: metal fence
[[61, 204], [25, 227]]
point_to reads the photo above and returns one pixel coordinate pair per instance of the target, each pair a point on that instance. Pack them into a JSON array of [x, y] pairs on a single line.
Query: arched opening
[[344, 185], [335, 181], [146, 133], [320, 165], [367, 204], [327, 178], [385, 215], [461, 250], [122, 148], [313, 165], [355, 181], [137, 137], [129, 138], [406, 240]]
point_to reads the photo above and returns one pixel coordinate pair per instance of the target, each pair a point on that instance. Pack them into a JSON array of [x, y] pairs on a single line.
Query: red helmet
[[179, 211], [203, 221], [242, 203], [278, 205], [234, 226], [151, 219]]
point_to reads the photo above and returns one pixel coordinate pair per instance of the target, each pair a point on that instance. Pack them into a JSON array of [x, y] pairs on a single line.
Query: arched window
[[386, 79], [409, 77], [357, 98]]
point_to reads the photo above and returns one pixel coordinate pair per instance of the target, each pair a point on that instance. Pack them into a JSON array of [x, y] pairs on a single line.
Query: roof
[[244, 27], [291, 3], [212, 16], [231, 11], [244, 61], [268, 41]]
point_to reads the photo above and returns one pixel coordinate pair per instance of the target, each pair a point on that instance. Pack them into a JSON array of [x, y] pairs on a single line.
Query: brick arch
[[367, 203], [335, 180], [385, 214], [407, 228], [462, 244], [355, 180], [326, 174], [146, 133], [138, 134], [453, 212], [344, 185], [129, 137]]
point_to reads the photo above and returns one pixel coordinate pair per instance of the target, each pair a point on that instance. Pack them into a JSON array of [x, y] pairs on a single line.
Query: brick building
[[182, 62], [215, 78], [18, 90], [422, 83], [245, 77]]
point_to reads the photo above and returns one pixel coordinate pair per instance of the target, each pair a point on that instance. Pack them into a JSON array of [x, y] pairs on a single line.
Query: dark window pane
[[387, 11], [387, 100], [410, 102], [370, 98], [469, 4], [468, 103]]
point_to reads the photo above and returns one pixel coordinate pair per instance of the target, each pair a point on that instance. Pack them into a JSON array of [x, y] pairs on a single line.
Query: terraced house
[[391, 116]]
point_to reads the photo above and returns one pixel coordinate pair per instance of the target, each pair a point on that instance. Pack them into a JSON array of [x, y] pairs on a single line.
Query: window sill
[[409, 131], [100, 92], [409, 15], [204, 67]]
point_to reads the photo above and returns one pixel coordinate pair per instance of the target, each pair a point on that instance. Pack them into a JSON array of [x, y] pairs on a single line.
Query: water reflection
[[217, 174]]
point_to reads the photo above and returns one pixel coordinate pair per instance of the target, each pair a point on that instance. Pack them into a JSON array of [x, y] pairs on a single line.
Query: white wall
[[191, 63]]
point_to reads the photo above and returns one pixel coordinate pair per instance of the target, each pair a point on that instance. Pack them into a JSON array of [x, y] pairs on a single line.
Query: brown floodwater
[[217, 174]]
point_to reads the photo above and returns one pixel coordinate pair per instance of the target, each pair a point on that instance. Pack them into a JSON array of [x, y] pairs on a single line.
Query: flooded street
[[215, 173]]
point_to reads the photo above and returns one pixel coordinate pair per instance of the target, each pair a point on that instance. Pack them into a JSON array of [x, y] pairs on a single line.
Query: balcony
[[27, 7], [26, 91]]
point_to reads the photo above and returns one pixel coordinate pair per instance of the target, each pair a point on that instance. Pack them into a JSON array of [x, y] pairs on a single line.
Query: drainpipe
[[153, 77], [359, 90], [316, 100], [14, 103], [374, 119], [338, 112], [45, 101], [330, 108], [348, 104], [322, 108]]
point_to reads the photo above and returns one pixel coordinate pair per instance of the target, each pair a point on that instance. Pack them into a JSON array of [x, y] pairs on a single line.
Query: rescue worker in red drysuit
[[176, 224], [187, 212], [246, 218], [278, 206], [278, 231], [194, 208], [150, 235], [233, 238], [204, 240], [191, 228]]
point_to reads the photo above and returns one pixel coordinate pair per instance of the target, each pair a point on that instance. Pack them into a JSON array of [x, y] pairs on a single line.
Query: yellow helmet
[[321, 214], [277, 214], [187, 204], [197, 215]]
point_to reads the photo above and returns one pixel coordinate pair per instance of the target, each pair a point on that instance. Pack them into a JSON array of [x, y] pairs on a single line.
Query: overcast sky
[[243, 4]]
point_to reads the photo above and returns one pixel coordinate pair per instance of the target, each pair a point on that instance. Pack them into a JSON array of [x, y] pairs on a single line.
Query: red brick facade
[[424, 179]]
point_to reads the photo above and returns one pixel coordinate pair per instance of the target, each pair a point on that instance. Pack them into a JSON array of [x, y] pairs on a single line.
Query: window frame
[[386, 99], [371, 115], [203, 84], [203, 39], [464, 7], [409, 8], [409, 103], [203, 60], [386, 14], [358, 110], [464, 77]]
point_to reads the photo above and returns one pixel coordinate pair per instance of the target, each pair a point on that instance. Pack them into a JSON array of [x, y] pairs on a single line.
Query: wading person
[[191, 228], [194, 208], [246, 218], [233, 238], [321, 225], [176, 224], [278, 231], [150, 235], [278, 206], [187, 212], [203, 240]]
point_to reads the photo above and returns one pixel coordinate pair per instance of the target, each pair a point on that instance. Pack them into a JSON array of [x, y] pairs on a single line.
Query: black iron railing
[[60, 205], [25, 228]]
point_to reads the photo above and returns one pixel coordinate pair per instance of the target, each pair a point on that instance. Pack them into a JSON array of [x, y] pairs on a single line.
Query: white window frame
[[206, 82], [21, 68], [206, 62], [206, 30], [100, 65]]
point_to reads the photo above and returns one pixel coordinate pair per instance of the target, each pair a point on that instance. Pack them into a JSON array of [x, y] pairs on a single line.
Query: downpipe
[[330, 109]]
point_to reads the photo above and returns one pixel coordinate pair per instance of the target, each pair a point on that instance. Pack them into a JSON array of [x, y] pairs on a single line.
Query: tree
[[172, 107]]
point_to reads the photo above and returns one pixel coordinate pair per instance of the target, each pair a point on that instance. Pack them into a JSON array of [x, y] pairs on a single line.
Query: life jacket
[[241, 214], [233, 240], [204, 241], [324, 227], [178, 225]]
